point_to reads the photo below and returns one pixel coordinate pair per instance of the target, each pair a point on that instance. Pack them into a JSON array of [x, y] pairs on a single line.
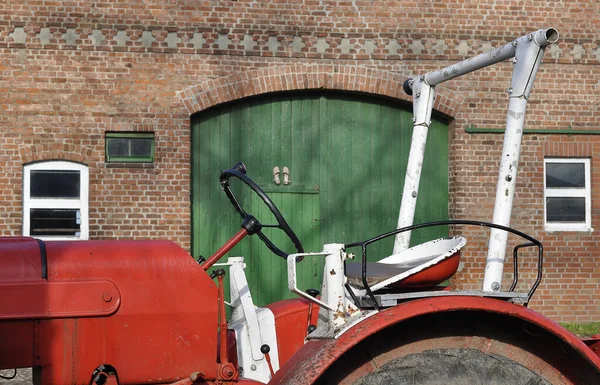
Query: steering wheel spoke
[[270, 226]]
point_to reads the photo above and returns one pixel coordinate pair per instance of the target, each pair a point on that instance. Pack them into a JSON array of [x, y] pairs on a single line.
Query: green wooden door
[[347, 156]]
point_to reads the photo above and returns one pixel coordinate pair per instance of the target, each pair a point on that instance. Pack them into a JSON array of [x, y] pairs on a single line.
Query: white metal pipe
[[332, 289], [528, 57], [422, 108], [542, 38], [505, 192], [472, 64], [529, 50]]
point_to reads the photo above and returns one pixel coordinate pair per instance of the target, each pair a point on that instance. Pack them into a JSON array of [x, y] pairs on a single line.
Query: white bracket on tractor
[[337, 313], [253, 326]]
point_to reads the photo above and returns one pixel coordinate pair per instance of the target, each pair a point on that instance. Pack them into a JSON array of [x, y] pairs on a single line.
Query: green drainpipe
[[542, 131]]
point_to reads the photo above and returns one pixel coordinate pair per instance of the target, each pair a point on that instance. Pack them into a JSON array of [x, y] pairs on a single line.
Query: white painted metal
[[541, 38], [354, 321], [332, 289], [336, 308], [426, 250], [422, 108], [253, 326], [528, 52], [292, 278], [528, 57], [243, 306], [257, 369], [505, 192]]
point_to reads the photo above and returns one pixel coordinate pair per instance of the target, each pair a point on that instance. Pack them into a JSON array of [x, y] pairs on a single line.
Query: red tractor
[[146, 312]]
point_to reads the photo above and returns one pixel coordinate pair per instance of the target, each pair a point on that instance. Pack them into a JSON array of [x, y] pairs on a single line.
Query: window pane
[[54, 222], [55, 184], [130, 148], [118, 146], [567, 175], [565, 209], [141, 147]]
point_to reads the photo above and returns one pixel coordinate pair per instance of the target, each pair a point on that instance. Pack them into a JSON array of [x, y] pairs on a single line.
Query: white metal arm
[[527, 52]]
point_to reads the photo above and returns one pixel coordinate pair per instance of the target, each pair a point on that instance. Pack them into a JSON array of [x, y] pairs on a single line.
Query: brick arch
[[305, 77], [55, 151]]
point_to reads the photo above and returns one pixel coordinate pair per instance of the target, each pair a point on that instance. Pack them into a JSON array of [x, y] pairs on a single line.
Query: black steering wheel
[[239, 171]]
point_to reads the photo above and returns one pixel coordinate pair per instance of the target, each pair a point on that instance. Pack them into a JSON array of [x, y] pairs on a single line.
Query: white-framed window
[[567, 194], [55, 200]]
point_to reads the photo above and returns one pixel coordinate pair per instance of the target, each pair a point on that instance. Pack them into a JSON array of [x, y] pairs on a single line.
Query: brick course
[[72, 70]]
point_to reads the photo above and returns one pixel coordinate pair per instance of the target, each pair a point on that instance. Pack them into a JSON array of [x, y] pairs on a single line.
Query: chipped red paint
[[593, 343], [310, 362]]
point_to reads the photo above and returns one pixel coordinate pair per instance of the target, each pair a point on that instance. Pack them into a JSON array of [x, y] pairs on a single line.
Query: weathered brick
[[58, 99]]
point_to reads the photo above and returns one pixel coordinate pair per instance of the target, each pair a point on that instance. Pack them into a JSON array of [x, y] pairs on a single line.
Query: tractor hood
[[146, 308]]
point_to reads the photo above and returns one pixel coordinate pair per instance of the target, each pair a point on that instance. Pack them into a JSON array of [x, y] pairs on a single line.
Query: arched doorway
[[346, 155]]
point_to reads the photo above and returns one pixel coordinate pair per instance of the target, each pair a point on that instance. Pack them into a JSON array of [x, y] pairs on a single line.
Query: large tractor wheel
[[451, 367], [466, 348]]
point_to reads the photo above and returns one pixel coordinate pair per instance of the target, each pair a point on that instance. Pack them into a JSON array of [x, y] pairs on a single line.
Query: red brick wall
[[72, 70]]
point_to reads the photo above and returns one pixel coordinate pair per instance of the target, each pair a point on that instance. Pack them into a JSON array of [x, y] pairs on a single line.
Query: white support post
[[253, 326], [528, 57], [423, 95], [505, 192], [332, 289]]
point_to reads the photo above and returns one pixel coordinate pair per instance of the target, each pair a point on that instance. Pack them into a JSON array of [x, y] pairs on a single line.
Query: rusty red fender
[[316, 356]]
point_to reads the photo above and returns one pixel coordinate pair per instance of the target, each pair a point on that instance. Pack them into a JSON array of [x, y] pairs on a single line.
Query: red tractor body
[[142, 306], [145, 309]]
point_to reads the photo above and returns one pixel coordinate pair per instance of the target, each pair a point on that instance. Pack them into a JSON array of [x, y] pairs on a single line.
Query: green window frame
[[132, 136]]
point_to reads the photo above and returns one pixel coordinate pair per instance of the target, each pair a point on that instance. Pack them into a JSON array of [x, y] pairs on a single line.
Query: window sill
[[46, 238], [129, 165], [563, 229]]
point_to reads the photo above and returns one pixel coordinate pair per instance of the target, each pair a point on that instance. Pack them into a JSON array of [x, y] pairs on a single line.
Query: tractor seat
[[424, 265]]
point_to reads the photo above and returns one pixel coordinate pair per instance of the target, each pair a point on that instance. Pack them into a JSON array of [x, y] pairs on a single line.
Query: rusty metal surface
[[593, 343], [318, 355]]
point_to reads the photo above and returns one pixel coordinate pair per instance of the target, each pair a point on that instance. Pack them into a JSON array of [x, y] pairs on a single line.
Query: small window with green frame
[[129, 147]]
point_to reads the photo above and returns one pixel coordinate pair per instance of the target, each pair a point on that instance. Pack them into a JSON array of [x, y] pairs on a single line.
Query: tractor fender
[[440, 320]]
